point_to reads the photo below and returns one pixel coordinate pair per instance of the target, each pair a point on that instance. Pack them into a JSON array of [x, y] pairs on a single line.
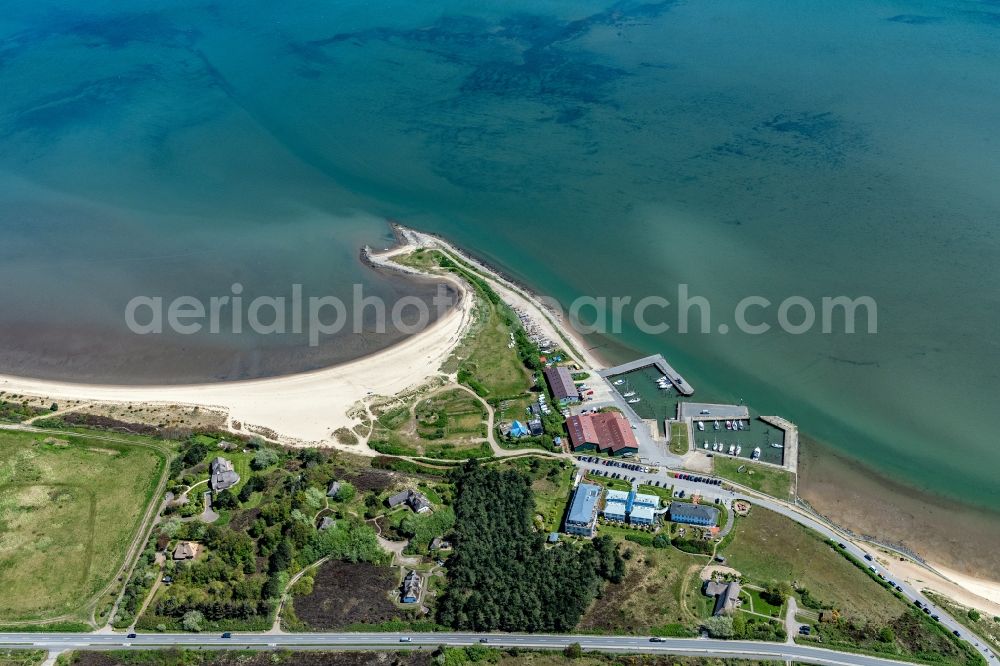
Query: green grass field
[[70, 507], [660, 594], [679, 438], [767, 547], [768, 480], [450, 424], [485, 359]]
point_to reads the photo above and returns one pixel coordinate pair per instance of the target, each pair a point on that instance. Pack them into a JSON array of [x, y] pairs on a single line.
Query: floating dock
[[660, 363], [693, 411]]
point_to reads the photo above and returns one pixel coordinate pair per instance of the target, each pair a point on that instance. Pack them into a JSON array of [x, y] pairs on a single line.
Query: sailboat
[[756, 454], [701, 425], [632, 401], [619, 382], [715, 425]]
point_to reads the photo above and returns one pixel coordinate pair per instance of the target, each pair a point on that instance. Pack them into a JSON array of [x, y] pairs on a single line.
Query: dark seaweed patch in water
[[983, 18], [915, 19], [77, 104], [815, 139]]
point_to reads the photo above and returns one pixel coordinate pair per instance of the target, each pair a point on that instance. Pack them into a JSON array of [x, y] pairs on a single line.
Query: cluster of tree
[[744, 626], [246, 563], [501, 575], [695, 546], [776, 593]]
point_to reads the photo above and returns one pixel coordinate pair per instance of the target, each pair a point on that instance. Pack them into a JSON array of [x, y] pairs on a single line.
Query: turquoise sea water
[[743, 148]]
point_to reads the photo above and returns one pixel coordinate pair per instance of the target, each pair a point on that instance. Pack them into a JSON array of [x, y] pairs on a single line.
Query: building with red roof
[[607, 432]]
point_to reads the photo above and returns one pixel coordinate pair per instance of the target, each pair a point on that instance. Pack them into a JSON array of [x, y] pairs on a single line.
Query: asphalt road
[[710, 492], [380, 641]]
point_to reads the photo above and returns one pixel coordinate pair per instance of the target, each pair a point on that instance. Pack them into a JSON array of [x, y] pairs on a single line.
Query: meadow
[[768, 480], [70, 507]]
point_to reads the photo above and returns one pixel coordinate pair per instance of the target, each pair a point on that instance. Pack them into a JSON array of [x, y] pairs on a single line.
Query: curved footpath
[[695, 647]]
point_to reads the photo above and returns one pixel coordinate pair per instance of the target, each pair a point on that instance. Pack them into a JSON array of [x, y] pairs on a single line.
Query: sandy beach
[[306, 408], [302, 408]]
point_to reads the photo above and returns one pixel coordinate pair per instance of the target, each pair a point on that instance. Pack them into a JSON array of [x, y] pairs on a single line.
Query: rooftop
[[584, 503], [560, 380], [608, 430]]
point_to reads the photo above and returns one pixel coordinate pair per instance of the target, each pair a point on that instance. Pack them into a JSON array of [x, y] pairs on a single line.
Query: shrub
[[192, 620], [720, 626], [263, 459]]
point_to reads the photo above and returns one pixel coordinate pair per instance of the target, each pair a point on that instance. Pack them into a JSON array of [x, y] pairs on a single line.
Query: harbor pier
[[659, 363]]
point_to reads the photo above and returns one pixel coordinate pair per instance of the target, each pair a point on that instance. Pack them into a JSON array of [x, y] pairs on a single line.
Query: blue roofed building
[[518, 429], [615, 503], [636, 508], [694, 514], [582, 517]]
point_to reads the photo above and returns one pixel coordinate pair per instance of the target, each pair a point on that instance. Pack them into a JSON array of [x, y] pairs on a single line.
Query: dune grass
[[70, 507]]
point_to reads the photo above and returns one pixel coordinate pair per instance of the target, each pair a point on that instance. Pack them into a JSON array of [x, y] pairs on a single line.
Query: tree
[[192, 620], [346, 492], [263, 459], [720, 626], [974, 615], [573, 651], [886, 635], [777, 593], [225, 499]]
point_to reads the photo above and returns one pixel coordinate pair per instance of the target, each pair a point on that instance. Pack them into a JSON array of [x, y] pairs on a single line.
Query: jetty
[[708, 411], [659, 363]]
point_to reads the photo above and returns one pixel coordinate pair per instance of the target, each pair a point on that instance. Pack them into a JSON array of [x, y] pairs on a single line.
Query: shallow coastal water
[[743, 148]]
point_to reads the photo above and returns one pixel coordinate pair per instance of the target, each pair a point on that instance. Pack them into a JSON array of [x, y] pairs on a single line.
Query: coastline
[[305, 408]]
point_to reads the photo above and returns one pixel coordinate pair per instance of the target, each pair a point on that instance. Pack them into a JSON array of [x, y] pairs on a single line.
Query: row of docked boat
[[733, 450]]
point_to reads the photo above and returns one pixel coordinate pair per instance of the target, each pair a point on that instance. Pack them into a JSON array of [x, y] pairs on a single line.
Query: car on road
[[842, 546], [868, 557], [957, 634], [657, 639], [405, 639], [130, 636], [484, 640], [936, 617], [227, 635]]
